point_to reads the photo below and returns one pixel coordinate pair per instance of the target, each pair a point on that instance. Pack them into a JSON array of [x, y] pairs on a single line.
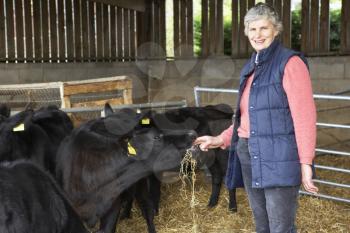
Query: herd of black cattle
[[56, 178]]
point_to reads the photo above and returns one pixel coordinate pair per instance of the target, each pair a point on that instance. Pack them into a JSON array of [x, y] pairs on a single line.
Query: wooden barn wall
[[39, 31], [59, 31]]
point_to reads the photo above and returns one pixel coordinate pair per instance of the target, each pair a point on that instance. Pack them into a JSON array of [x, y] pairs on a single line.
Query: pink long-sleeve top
[[297, 85]]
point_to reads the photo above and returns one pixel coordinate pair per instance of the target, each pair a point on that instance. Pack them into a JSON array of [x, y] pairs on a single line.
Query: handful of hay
[[188, 172]]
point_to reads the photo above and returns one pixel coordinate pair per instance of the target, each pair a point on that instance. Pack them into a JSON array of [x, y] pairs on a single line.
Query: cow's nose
[[192, 134]]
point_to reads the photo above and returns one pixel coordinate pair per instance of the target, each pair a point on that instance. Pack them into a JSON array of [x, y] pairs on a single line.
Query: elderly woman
[[272, 140]]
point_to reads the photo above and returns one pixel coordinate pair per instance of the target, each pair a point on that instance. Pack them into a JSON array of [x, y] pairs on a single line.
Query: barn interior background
[[167, 48]]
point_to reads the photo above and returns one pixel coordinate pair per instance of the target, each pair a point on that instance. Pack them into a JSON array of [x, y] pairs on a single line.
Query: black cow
[[34, 135], [31, 202], [105, 157], [208, 120]]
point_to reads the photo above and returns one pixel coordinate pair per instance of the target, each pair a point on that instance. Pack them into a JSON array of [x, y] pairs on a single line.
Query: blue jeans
[[274, 209]]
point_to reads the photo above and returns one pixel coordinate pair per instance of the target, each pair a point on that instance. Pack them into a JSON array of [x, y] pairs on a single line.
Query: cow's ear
[[107, 110], [5, 110]]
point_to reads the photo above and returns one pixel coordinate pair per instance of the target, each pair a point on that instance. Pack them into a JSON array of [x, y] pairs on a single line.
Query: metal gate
[[319, 151]]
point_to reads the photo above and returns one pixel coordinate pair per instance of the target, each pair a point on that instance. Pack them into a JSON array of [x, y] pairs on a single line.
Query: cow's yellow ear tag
[[18, 128], [131, 150], [145, 121]]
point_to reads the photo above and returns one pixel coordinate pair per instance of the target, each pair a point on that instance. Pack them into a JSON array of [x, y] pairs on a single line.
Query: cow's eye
[[157, 137]]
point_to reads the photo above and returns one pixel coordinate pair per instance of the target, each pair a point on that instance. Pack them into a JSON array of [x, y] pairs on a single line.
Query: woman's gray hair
[[262, 11]]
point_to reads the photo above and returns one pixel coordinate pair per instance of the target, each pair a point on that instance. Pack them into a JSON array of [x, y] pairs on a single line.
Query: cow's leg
[[232, 205], [154, 184], [109, 221], [127, 199], [216, 180], [145, 203]]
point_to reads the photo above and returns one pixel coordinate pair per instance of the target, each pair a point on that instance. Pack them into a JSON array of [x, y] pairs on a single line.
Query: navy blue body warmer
[[272, 144]]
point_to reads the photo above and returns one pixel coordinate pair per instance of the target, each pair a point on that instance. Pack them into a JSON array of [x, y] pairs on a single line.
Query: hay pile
[[314, 215]]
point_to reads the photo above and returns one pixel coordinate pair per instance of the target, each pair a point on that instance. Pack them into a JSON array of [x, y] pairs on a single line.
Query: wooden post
[[61, 50], [126, 27], [176, 28], [243, 48], [189, 51], [19, 30], [314, 24], [53, 29], [77, 28], [183, 31], [106, 31], [120, 32], [85, 29], [10, 31], [235, 29], [28, 29], [324, 26], [37, 30], [92, 42], [305, 25], [219, 28], [212, 26], [69, 29], [286, 35], [205, 29], [45, 30], [345, 27]]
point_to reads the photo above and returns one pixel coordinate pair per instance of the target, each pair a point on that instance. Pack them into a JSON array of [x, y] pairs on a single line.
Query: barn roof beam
[[137, 5]]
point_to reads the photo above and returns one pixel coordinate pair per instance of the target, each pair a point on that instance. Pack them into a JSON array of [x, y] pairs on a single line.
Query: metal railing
[[198, 89]]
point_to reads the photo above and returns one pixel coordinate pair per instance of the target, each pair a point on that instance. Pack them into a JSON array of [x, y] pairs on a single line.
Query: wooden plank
[[156, 29], [219, 28], [132, 35], [99, 31], [85, 29], [305, 25], [2, 33], [212, 26], [61, 51], [45, 30], [10, 31], [53, 28], [314, 24], [120, 32], [162, 26], [251, 3], [205, 29], [137, 5], [286, 19], [28, 30], [19, 29], [235, 30], [113, 101], [190, 28], [177, 28], [126, 27], [73, 89], [92, 42], [278, 7], [345, 27], [113, 33], [78, 31], [106, 31], [37, 30], [69, 29], [183, 32], [324, 26], [243, 46]]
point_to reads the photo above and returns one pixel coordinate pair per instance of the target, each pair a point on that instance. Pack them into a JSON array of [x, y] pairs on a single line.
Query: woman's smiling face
[[261, 33]]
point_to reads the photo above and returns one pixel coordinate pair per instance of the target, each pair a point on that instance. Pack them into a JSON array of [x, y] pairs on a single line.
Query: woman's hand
[[208, 142], [306, 178]]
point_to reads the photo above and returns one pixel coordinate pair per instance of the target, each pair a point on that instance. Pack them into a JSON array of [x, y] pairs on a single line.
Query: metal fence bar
[[198, 89], [333, 152], [332, 168], [182, 103], [333, 125], [331, 183], [325, 196]]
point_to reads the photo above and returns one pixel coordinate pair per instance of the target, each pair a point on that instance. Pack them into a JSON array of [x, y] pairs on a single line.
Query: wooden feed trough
[[72, 94]]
